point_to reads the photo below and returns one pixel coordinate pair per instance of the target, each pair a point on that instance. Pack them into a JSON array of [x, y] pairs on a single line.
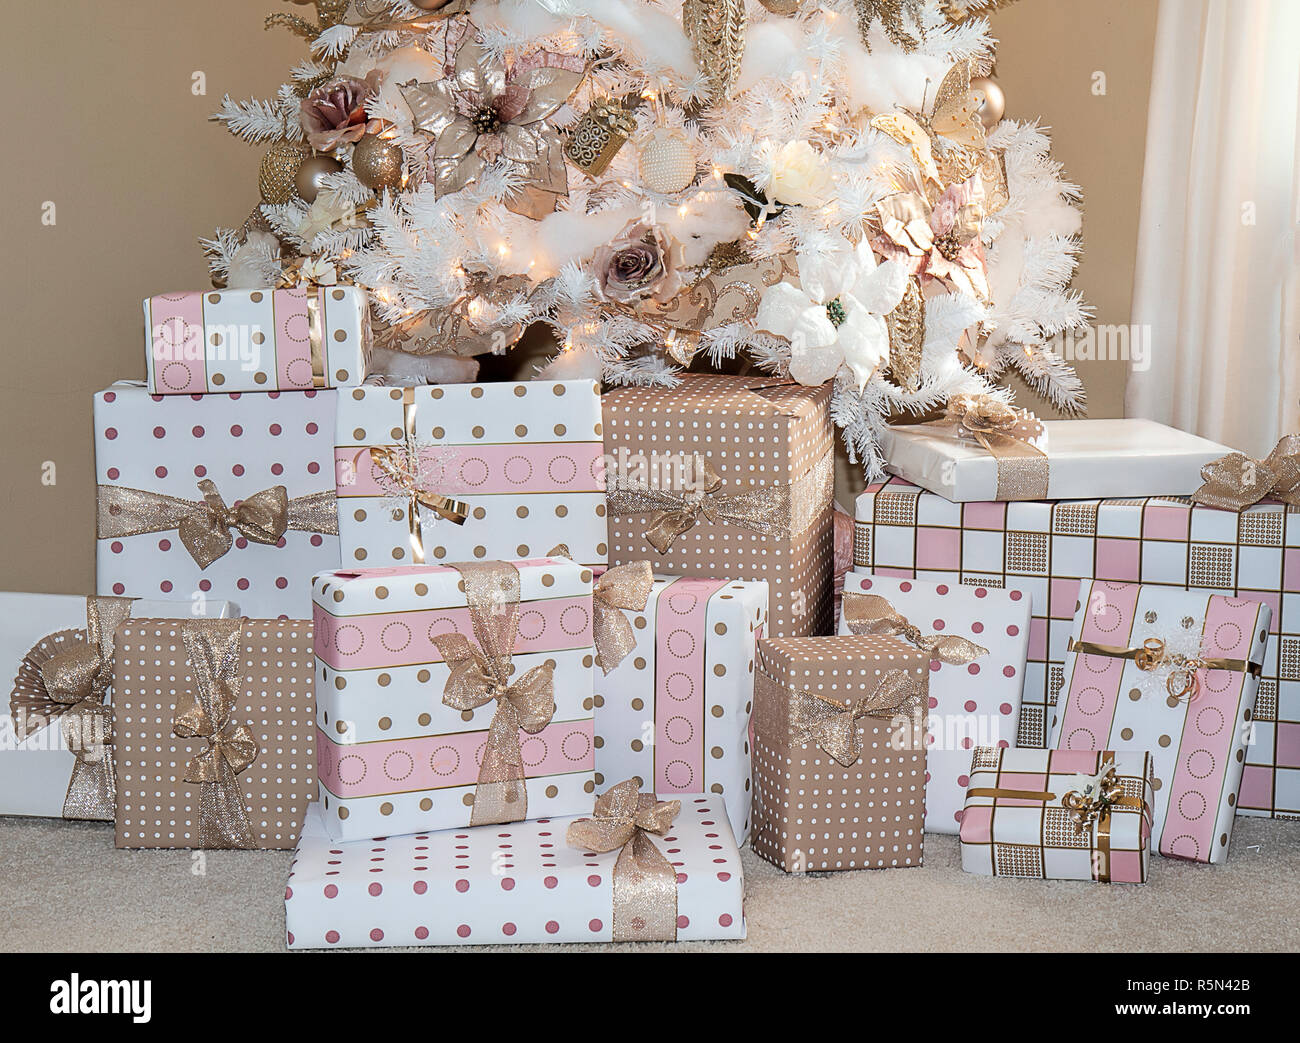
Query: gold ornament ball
[[279, 168], [378, 163], [667, 161], [993, 103], [308, 179], [782, 7]]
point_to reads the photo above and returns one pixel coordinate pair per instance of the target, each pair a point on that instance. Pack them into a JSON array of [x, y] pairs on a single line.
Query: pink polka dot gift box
[[518, 884], [977, 639], [1177, 673], [453, 695], [215, 496]]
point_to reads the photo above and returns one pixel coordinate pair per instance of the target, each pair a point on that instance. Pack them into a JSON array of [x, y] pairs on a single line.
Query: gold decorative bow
[[833, 725], [1006, 434], [480, 675], [1235, 481], [203, 526], [1183, 681], [624, 587], [645, 883], [215, 648], [65, 676], [872, 614]]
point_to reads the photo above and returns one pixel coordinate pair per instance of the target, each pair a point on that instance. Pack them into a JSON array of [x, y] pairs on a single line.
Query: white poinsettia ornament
[[835, 316]]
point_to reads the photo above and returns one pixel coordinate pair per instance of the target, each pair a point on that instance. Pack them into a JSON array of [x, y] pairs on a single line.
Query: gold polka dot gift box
[[56, 760], [453, 695], [213, 734], [463, 472], [728, 476], [1177, 673], [839, 753], [674, 710], [292, 339]]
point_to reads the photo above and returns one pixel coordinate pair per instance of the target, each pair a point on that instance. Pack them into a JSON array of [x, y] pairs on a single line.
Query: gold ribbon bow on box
[[645, 883], [203, 526], [480, 675], [1235, 482], [622, 588], [1153, 656], [872, 614], [205, 711], [1005, 433], [65, 677]]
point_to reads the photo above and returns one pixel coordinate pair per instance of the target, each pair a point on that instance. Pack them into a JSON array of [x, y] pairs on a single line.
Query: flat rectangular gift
[[674, 712], [461, 471], [453, 695], [257, 340], [839, 752], [728, 476], [58, 650], [1177, 673], [228, 496], [519, 884], [1059, 815], [213, 735], [977, 639]]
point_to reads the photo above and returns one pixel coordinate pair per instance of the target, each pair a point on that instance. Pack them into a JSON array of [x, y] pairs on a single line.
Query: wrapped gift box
[[267, 457], [257, 340], [1080, 458], [728, 476], [396, 756], [974, 692], [512, 884], [58, 651], [502, 471], [839, 753], [1020, 815], [213, 733], [675, 712], [1195, 721]]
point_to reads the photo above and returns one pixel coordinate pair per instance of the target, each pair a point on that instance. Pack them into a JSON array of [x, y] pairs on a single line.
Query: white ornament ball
[[667, 161]]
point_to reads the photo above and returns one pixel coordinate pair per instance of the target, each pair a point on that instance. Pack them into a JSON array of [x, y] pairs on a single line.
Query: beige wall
[[103, 124]]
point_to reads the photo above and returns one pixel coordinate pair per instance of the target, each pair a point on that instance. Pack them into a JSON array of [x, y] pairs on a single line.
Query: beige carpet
[[66, 889]]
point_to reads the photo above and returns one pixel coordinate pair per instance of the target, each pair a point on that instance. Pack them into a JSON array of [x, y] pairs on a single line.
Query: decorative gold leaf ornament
[[716, 29], [907, 337]]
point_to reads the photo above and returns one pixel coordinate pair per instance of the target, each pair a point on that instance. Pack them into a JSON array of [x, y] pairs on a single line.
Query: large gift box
[[55, 760], [459, 472], [257, 340], [977, 639], [1174, 672], [839, 752], [213, 733], [1059, 815], [228, 496], [665, 874], [453, 695], [728, 476], [673, 710]]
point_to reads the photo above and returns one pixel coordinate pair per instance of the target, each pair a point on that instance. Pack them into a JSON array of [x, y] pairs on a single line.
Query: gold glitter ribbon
[[872, 614], [316, 336], [70, 686], [1003, 432], [203, 526], [480, 675], [1235, 482], [215, 648], [1152, 655], [645, 883], [623, 588], [775, 511]]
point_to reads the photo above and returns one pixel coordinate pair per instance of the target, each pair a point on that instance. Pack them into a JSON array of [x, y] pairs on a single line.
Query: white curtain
[[1218, 265]]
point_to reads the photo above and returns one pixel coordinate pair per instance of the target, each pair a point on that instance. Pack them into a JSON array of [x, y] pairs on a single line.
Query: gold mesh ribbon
[[872, 614], [203, 526], [622, 588], [776, 511], [1235, 481], [480, 675], [215, 648], [1183, 681], [645, 883], [65, 677], [1003, 432]]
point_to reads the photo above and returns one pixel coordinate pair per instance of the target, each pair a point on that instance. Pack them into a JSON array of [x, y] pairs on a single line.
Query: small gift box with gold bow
[[1177, 673], [214, 743], [288, 339], [1059, 814], [453, 695], [839, 752]]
